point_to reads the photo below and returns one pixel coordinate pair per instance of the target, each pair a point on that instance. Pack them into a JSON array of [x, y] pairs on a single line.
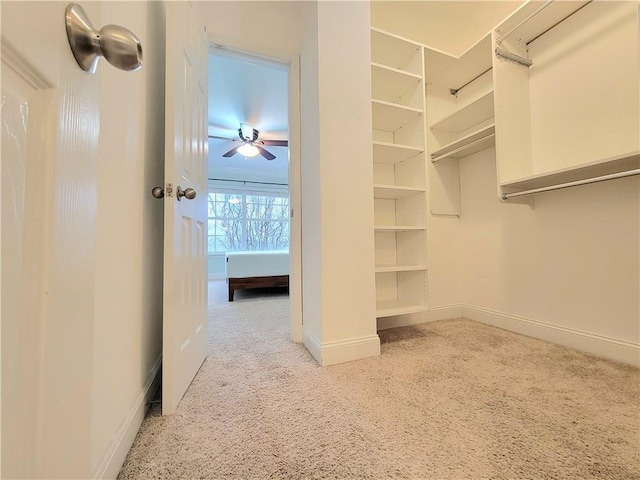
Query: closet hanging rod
[[454, 91], [507, 196]]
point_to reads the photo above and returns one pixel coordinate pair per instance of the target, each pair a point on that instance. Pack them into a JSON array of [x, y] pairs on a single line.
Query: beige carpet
[[451, 399]]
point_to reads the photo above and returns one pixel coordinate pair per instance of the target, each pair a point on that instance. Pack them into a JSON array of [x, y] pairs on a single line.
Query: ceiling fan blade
[[276, 143], [222, 138], [232, 152], [265, 154]]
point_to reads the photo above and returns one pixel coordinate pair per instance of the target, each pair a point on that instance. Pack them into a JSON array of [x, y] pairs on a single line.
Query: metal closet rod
[[503, 52], [454, 91], [629, 173]]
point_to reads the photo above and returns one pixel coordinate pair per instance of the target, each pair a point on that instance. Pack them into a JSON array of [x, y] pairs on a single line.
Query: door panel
[[185, 288]]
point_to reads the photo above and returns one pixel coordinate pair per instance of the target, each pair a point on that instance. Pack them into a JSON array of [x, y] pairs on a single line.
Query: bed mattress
[[256, 264]]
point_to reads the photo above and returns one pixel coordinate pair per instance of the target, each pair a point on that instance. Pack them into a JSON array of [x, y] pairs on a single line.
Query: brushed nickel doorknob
[[119, 46], [157, 192], [189, 193]]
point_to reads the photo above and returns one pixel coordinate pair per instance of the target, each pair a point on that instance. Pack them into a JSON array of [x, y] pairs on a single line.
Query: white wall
[[273, 29], [339, 289], [346, 167], [127, 333], [571, 261], [311, 173], [331, 38]]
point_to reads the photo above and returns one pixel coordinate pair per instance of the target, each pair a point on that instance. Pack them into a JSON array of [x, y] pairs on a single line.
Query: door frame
[[295, 181]]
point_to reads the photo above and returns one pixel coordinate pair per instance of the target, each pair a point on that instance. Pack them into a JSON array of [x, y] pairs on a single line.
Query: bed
[[246, 270]]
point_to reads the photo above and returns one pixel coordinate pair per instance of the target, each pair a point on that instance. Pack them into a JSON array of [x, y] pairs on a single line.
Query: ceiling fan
[[251, 146]]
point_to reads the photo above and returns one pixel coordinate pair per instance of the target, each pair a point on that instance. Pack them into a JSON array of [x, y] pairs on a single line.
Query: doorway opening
[[253, 160]]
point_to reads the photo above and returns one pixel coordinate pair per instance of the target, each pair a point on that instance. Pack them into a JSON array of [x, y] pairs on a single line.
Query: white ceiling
[[248, 90], [450, 26]]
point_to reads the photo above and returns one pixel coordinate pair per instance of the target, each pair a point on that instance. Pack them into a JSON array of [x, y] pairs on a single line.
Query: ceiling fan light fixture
[[248, 150]]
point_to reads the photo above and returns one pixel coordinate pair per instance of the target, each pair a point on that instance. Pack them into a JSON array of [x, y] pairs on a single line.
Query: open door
[[185, 202]]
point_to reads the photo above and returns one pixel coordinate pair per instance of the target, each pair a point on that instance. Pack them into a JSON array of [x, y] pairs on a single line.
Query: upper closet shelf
[[620, 163], [466, 117], [395, 52], [455, 72], [533, 19], [393, 153], [467, 145], [390, 117]]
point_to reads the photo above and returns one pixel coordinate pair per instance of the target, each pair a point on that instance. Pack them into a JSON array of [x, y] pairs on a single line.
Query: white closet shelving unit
[[567, 103], [399, 188], [460, 117]]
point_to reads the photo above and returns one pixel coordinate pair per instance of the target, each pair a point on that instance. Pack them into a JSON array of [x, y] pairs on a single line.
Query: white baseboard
[[331, 353], [599, 345], [438, 313], [312, 344], [116, 452]]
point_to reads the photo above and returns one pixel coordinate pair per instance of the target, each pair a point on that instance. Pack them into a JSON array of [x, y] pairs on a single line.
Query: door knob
[[157, 192], [188, 193], [117, 45]]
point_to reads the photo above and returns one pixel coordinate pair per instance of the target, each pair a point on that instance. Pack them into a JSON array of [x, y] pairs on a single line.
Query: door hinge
[[168, 191], [292, 213]]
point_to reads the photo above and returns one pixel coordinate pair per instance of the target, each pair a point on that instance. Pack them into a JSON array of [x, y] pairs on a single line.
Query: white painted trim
[[292, 64], [341, 351], [115, 453], [295, 203], [16, 62], [312, 344], [625, 352], [348, 350], [438, 313]]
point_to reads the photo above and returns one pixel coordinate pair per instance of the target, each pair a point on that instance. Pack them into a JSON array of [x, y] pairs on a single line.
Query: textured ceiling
[[248, 90]]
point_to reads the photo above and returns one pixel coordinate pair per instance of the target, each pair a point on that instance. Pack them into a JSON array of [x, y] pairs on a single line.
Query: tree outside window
[[244, 220]]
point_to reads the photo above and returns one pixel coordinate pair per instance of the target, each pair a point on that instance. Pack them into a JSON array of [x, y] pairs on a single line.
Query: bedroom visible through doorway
[[249, 206]]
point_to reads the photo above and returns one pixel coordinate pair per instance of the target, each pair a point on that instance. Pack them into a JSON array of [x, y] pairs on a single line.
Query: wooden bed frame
[[256, 282]]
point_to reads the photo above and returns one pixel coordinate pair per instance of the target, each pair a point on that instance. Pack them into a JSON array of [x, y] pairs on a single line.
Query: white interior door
[[185, 219]]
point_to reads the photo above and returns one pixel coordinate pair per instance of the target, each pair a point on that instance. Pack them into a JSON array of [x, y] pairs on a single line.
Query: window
[[245, 220]]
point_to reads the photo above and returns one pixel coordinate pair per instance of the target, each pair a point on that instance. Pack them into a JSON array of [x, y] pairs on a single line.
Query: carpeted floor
[[447, 400]]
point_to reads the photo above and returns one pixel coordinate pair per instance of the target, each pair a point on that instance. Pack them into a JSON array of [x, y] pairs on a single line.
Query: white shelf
[[398, 228], [607, 166], [530, 25], [395, 52], [390, 83], [392, 153], [399, 268], [390, 117], [463, 119], [397, 88], [467, 145], [389, 308], [394, 191], [454, 72]]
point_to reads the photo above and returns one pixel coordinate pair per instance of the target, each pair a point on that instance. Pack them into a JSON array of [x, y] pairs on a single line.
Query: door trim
[[295, 182]]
